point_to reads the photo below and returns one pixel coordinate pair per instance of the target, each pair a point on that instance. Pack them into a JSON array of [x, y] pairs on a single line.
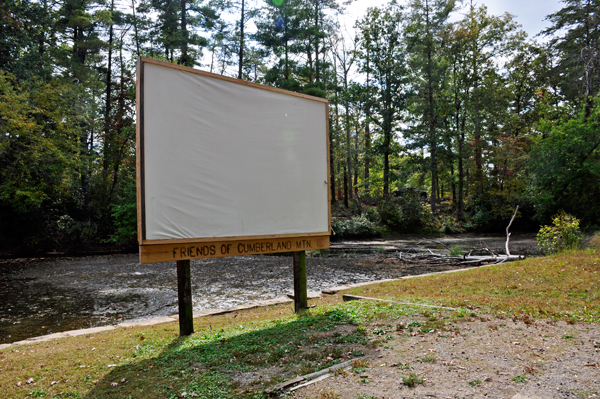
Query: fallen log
[[468, 259]]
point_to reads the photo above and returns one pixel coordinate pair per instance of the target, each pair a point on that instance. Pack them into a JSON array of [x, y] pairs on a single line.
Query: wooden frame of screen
[[207, 247]]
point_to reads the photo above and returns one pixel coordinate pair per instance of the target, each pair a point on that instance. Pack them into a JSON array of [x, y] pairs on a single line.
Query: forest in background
[[438, 95]]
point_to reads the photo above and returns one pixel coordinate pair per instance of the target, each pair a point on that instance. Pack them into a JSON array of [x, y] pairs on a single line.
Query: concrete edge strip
[[214, 312]]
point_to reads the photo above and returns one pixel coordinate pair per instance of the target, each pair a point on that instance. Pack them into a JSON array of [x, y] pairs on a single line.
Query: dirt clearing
[[439, 355]]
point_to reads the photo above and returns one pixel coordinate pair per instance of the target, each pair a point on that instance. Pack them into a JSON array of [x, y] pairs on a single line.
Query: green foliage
[[565, 168], [564, 235], [355, 227], [455, 251], [383, 56], [519, 378], [491, 212], [124, 215], [411, 380], [72, 235], [448, 224], [390, 214], [492, 135], [39, 159], [576, 40], [404, 214]]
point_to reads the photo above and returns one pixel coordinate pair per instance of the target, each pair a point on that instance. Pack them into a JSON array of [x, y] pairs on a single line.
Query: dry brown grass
[[564, 285]]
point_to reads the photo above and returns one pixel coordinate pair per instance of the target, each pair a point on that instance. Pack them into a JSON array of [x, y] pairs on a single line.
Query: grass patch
[[564, 286], [411, 380], [223, 359]]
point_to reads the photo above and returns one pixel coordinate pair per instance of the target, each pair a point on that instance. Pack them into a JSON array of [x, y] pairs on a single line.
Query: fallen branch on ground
[[432, 258], [296, 383]]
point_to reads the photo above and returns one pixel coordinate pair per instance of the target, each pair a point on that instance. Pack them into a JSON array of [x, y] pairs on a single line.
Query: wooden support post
[[184, 291], [300, 290]]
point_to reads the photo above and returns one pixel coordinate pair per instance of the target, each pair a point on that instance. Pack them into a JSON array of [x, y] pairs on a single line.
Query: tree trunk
[[347, 128], [184, 43], [107, 127], [339, 186], [346, 203], [317, 66], [356, 160], [331, 167], [453, 182], [468, 181], [135, 29], [367, 184], [241, 52], [287, 69], [431, 116]]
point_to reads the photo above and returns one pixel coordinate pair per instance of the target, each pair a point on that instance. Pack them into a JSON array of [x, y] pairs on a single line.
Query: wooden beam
[[300, 289], [184, 291]]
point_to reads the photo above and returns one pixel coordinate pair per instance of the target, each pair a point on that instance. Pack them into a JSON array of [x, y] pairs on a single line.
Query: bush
[[356, 227], [449, 224], [564, 235], [69, 234], [390, 214], [125, 218], [405, 214]]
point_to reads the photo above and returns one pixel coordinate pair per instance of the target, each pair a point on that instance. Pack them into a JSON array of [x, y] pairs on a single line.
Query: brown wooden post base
[[300, 290], [184, 291]]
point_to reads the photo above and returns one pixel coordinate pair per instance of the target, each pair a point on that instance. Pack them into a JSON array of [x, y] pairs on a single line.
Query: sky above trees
[[529, 13]]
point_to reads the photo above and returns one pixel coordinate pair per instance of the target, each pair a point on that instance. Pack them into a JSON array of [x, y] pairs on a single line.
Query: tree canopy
[[435, 95]]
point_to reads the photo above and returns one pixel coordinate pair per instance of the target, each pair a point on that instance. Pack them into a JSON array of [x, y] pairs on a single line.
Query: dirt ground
[[478, 356]]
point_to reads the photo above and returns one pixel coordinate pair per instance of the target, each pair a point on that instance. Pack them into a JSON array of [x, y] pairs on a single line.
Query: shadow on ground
[[232, 363]]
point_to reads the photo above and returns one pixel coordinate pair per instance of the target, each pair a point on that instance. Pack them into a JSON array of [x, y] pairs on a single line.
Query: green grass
[[153, 362], [564, 286], [411, 380]]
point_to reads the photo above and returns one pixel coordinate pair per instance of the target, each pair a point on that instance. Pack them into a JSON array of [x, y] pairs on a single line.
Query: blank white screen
[[223, 159]]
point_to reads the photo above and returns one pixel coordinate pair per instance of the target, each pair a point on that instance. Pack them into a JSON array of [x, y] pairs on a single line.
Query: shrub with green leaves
[[356, 227], [404, 214], [412, 380], [124, 214], [564, 235]]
